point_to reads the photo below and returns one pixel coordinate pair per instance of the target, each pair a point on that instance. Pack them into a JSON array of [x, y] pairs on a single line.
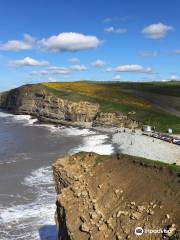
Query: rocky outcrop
[[115, 119], [47, 107], [106, 197], [37, 101]]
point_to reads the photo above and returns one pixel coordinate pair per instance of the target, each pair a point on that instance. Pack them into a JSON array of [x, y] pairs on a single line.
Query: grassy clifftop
[[124, 97]]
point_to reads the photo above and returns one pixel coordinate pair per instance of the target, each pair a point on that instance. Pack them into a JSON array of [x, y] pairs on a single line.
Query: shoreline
[[39, 177], [127, 142], [135, 143], [139, 145]]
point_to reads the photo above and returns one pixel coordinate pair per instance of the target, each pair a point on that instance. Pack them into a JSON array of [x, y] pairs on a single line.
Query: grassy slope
[[112, 97]]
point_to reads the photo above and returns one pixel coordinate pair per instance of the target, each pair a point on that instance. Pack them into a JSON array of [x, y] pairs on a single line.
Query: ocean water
[[27, 151]]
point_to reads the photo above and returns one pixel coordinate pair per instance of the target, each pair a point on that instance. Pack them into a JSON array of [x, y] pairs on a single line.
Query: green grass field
[[120, 97]]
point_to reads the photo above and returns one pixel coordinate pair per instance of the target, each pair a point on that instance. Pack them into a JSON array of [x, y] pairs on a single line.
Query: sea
[[27, 152]]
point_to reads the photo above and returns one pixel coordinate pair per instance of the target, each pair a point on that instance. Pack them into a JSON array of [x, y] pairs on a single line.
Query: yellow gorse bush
[[106, 92]]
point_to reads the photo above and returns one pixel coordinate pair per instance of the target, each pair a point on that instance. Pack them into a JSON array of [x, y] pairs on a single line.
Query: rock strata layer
[[103, 197], [36, 101]]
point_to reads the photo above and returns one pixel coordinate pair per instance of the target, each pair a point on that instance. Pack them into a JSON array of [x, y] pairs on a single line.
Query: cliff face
[[108, 197], [35, 100], [114, 119], [47, 107]]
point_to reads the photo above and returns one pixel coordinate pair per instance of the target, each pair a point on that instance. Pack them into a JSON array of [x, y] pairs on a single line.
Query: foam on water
[[95, 143], [24, 119], [67, 131], [27, 120], [7, 162], [16, 158], [21, 117], [72, 131], [5, 114], [34, 220], [31, 121]]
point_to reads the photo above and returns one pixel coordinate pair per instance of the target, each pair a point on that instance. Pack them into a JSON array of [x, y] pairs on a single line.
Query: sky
[[103, 40]]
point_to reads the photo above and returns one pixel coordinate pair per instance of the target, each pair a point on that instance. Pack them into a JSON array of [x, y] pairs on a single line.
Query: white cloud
[[16, 45], [29, 39], [74, 60], [117, 19], [58, 70], [117, 78], [69, 41], [66, 70], [149, 54], [98, 63], [109, 69], [54, 70], [51, 79], [164, 80], [135, 68], [78, 68], [28, 62], [113, 30], [174, 77], [42, 72], [156, 31]]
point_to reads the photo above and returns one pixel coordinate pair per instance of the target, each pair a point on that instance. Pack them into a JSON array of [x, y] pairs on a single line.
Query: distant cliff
[[35, 100]]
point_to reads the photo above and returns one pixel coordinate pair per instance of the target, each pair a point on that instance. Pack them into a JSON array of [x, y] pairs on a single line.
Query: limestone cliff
[[38, 102], [106, 197], [114, 119], [47, 107]]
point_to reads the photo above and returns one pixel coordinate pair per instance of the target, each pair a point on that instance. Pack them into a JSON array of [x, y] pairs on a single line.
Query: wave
[[95, 143], [16, 158], [7, 162], [34, 220], [28, 120], [72, 131], [66, 131], [5, 114], [25, 119]]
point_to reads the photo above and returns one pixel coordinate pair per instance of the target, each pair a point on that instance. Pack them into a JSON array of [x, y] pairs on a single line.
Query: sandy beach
[[137, 144]]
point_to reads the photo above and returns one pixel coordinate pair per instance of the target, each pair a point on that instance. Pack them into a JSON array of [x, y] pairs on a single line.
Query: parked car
[[155, 135], [166, 138], [176, 141]]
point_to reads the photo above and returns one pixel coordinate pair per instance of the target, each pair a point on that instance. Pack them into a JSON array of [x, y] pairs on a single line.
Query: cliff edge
[[108, 197], [35, 100]]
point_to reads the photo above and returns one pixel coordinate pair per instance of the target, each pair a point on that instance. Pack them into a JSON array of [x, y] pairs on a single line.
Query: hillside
[[157, 104], [107, 103]]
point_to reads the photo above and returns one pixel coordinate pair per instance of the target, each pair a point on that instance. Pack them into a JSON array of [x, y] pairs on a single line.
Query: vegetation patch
[[114, 97]]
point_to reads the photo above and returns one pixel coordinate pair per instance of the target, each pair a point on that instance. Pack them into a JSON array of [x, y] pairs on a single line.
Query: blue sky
[[68, 40]]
